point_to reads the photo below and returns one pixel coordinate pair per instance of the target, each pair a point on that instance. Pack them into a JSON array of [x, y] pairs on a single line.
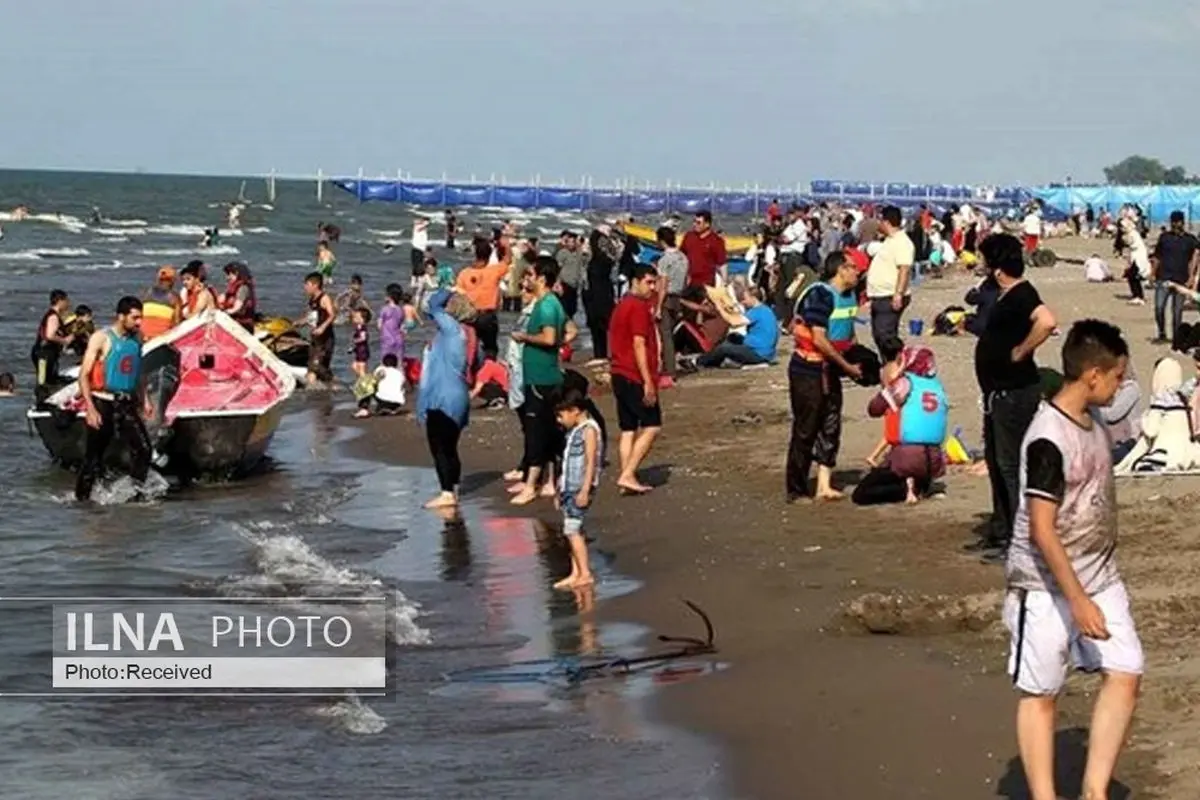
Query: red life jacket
[[245, 316]]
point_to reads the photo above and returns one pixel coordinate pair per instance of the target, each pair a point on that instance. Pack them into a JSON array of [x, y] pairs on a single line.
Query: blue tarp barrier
[[650, 201], [1156, 201]]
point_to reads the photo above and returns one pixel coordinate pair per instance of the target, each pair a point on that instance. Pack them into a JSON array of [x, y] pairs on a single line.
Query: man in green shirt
[[540, 342]]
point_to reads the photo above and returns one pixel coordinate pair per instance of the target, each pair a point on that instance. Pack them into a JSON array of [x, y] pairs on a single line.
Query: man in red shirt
[[633, 350], [705, 251]]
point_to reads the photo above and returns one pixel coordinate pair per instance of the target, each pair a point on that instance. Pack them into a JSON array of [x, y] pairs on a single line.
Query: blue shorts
[[572, 515]]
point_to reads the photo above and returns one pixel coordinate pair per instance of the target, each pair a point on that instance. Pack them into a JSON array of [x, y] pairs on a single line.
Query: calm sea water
[[469, 594]]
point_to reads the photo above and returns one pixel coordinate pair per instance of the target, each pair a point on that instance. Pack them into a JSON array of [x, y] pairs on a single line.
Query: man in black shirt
[[1174, 261], [1008, 377]]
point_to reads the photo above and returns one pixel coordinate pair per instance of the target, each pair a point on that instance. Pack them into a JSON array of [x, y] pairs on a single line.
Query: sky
[[692, 91]]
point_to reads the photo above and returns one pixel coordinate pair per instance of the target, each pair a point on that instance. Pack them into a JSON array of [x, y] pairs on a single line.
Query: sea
[[465, 594]]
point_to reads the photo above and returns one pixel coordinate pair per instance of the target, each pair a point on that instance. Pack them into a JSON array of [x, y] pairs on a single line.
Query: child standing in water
[[580, 477], [360, 341]]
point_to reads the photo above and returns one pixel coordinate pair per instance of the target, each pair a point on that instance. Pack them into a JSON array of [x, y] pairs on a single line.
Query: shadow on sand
[[1070, 757]]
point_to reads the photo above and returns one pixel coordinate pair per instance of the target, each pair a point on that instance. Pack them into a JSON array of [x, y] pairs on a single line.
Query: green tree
[[1140, 170]]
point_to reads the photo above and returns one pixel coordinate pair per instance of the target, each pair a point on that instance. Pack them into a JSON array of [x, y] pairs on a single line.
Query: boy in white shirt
[[1066, 604]]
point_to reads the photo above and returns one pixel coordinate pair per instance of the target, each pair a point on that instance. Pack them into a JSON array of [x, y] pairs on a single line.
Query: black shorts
[[632, 413], [418, 263]]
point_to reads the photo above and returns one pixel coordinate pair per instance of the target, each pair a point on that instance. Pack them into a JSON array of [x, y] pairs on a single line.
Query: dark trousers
[[120, 418], [598, 326], [1006, 417], [739, 354], [540, 426], [787, 273], [816, 427], [1134, 278], [442, 434], [1163, 292], [666, 333], [885, 320], [569, 300], [487, 328]]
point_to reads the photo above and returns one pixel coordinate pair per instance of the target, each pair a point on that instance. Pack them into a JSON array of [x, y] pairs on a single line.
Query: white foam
[[286, 560], [61, 252], [122, 232], [124, 489], [190, 230], [295, 262], [21, 255], [388, 234], [116, 263], [127, 223], [219, 250], [257, 230], [354, 716]]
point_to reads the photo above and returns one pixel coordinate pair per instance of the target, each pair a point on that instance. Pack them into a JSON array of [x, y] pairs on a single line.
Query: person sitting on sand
[[492, 383], [581, 461], [760, 337], [1096, 270], [387, 395], [8, 384], [915, 413]]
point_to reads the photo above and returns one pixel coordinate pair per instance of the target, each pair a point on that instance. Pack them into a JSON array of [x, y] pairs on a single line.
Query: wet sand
[[866, 652]]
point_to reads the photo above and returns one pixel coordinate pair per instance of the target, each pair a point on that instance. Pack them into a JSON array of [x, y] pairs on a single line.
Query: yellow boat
[[644, 233]]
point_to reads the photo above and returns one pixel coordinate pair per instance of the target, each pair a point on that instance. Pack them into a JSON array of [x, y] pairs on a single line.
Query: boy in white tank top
[[1066, 604]]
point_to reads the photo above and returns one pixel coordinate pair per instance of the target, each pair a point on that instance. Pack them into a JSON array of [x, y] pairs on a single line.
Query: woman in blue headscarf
[[444, 391]]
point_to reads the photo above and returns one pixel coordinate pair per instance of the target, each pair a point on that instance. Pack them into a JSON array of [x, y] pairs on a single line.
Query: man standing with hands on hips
[[888, 277], [1008, 378]]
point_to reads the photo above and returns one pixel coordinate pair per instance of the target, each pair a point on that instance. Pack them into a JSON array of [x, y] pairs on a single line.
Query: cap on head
[[166, 273]]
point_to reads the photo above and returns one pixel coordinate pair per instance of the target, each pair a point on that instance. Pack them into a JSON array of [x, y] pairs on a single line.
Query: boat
[[284, 339], [649, 252], [218, 394], [646, 235]]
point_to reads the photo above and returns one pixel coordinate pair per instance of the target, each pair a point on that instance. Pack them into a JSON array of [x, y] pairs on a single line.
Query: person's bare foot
[[443, 500], [831, 495], [517, 488], [912, 500], [582, 581], [548, 490], [514, 475], [361, 413], [565, 584], [524, 498], [632, 486]]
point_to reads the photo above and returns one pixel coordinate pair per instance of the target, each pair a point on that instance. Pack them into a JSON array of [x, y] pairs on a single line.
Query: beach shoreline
[[813, 705]]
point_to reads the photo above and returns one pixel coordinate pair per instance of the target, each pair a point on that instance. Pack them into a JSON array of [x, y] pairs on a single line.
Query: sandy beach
[[865, 646]]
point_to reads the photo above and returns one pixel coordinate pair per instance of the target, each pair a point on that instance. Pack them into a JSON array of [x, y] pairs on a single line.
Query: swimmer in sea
[[212, 237], [326, 262], [95, 218], [8, 385], [235, 216]]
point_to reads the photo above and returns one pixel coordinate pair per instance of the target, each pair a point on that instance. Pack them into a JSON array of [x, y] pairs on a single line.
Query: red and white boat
[[219, 392]]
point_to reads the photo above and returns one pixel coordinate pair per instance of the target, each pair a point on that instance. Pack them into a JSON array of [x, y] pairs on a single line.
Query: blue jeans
[[739, 354], [1161, 292]]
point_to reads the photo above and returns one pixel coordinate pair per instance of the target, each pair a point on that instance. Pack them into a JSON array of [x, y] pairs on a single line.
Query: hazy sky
[[765, 91]]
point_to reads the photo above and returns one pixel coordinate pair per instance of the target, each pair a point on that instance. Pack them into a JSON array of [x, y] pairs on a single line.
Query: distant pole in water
[[271, 188], [320, 185]]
